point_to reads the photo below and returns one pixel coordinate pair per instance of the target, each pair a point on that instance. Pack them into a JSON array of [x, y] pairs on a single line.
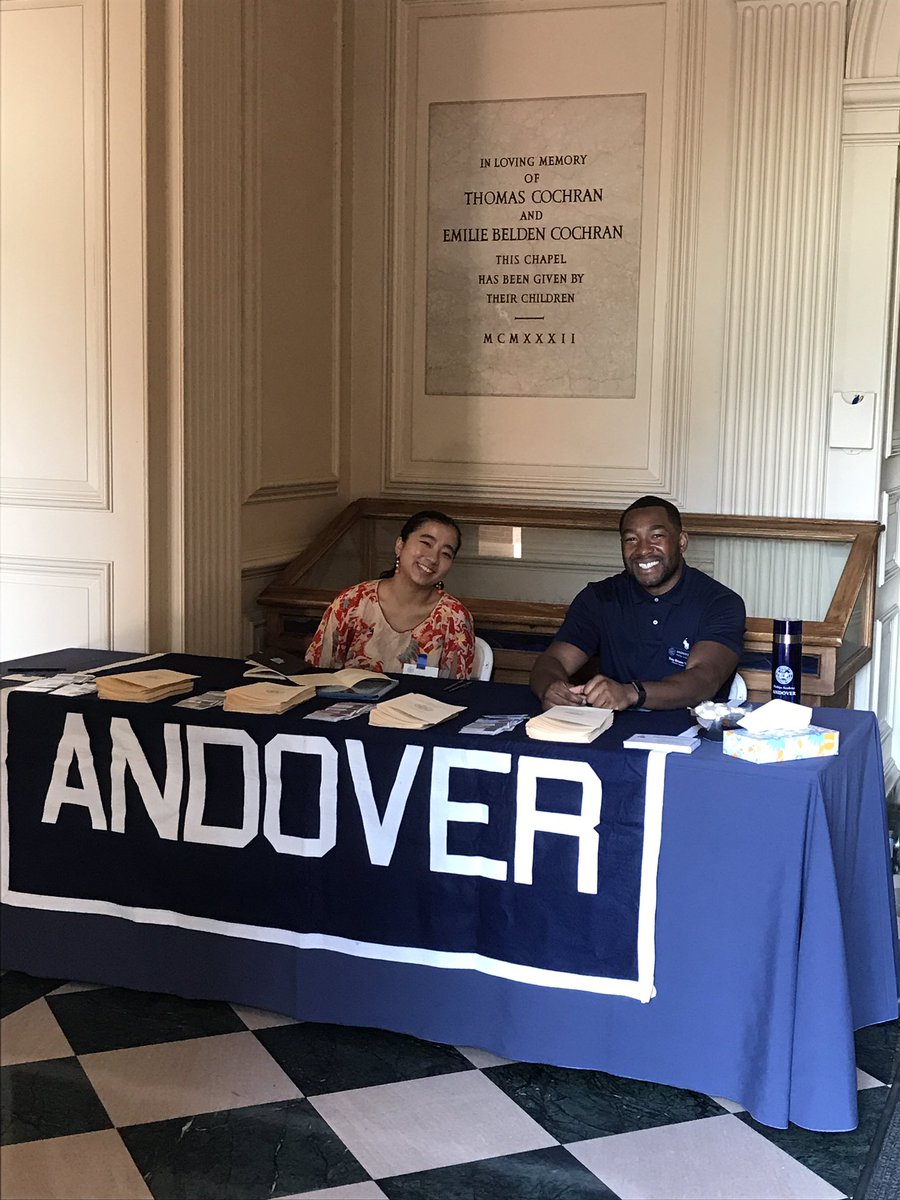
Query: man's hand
[[603, 692], [709, 664], [551, 673], [560, 692]]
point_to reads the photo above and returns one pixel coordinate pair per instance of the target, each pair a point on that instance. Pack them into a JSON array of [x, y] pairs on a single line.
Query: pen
[[454, 687]]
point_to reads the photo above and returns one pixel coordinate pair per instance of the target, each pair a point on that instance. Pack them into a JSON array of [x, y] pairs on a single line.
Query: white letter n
[[162, 807]]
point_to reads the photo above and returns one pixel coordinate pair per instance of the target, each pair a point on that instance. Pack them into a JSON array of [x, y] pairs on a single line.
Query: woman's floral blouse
[[354, 633]]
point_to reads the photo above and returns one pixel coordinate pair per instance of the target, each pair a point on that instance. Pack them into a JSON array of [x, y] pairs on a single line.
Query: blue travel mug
[[787, 652]]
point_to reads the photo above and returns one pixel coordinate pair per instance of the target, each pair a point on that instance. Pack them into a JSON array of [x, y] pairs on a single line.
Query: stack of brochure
[[568, 724], [143, 687], [413, 712], [265, 697]]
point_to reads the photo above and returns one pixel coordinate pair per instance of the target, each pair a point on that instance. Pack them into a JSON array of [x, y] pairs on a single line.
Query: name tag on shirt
[[413, 669]]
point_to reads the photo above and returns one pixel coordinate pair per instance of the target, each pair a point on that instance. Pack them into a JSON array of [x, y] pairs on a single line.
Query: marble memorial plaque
[[534, 241]]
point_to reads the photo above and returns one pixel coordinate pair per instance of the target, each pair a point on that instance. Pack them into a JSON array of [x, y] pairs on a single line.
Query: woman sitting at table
[[404, 616]]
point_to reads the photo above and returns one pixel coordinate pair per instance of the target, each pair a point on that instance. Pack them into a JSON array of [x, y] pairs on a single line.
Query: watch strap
[[641, 694]]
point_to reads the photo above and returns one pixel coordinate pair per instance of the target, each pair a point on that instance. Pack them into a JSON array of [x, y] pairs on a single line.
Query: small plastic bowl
[[714, 726]]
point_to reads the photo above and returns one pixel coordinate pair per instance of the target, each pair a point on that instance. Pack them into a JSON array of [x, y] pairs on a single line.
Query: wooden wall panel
[[73, 518], [574, 448], [71, 598]]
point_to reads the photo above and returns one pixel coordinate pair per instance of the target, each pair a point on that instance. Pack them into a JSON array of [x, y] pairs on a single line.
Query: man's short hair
[[653, 502]]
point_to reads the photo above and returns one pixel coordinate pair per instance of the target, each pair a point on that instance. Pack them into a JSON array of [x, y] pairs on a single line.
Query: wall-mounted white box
[[852, 421]]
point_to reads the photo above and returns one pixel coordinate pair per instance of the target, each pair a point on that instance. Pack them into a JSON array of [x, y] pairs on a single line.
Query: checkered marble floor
[[119, 1094]]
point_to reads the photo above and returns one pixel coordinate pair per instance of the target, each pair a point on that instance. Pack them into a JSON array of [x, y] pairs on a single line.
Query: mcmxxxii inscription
[[585, 202]]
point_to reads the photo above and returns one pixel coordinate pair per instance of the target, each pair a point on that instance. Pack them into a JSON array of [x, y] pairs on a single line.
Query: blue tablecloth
[[775, 926]]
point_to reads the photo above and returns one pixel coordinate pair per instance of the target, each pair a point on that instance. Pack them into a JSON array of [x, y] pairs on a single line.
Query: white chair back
[[483, 661]]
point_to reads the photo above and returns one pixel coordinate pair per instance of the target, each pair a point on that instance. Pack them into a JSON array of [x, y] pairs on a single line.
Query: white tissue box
[[780, 745]]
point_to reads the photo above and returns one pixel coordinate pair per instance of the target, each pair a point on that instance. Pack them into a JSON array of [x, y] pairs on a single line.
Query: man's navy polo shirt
[[638, 636]]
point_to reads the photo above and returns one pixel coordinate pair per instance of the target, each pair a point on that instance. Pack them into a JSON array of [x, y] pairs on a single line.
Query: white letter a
[[74, 741]]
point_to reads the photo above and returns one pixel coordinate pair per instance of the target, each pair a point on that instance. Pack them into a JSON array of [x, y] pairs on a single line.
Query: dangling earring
[[440, 585], [396, 564]]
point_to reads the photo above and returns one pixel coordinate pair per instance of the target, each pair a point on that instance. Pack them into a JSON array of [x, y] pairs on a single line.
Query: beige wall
[[292, 476], [533, 449], [292, 257], [244, 120]]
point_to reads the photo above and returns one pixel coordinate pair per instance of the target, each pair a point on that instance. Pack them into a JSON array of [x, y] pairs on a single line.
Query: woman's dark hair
[[416, 521]]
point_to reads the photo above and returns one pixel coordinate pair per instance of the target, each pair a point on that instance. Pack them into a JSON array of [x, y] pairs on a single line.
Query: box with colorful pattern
[[780, 745]]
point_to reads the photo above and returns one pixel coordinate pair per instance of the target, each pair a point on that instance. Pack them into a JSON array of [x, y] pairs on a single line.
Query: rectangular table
[[260, 860]]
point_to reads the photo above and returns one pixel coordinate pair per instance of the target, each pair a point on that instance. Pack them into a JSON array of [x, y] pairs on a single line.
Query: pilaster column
[[212, 324], [780, 297]]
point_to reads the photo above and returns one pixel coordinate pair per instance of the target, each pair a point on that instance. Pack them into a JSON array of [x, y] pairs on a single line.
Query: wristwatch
[[641, 694]]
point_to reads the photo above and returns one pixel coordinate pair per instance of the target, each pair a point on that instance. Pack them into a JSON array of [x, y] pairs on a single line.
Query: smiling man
[[664, 634]]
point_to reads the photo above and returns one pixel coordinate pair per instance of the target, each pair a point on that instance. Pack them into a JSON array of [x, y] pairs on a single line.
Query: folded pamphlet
[[143, 687], [564, 723], [344, 710], [278, 664], [76, 689], [495, 723], [265, 697], [60, 685], [669, 742], [302, 680], [414, 711], [202, 701]]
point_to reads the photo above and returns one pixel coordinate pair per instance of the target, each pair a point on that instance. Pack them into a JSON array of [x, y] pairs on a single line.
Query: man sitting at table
[[665, 635]]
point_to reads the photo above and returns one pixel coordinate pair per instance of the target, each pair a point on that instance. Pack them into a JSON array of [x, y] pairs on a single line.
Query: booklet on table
[[565, 723]]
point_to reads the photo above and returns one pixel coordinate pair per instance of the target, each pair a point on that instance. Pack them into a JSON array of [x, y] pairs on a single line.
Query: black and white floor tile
[[108, 1093]]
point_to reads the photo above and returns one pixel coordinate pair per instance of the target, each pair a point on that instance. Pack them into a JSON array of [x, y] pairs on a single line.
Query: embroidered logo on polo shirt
[[678, 655]]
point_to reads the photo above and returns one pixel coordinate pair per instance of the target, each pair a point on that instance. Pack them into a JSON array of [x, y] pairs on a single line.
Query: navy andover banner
[[525, 860]]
